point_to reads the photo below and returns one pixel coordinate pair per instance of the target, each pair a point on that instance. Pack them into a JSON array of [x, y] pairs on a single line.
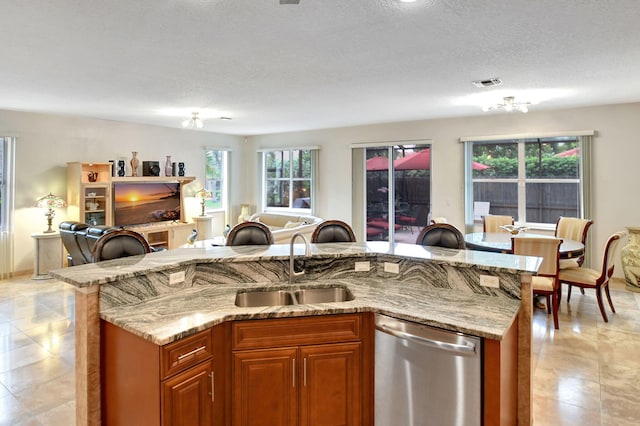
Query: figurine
[[191, 239]]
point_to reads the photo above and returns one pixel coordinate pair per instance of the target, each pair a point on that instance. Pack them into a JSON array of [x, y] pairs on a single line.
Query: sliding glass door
[[397, 190]]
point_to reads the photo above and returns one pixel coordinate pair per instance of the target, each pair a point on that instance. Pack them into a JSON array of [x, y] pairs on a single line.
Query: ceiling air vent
[[488, 83]]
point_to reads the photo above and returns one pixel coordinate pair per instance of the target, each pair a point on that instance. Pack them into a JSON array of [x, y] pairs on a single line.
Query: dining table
[[500, 242]]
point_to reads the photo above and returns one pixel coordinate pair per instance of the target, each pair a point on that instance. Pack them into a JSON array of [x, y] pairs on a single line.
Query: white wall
[[616, 150], [47, 142]]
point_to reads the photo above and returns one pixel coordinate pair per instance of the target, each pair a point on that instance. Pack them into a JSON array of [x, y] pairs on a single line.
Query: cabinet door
[[265, 388], [95, 204], [187, 398], [330, 385]]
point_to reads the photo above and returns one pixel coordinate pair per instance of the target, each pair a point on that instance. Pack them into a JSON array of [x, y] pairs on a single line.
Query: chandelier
[[193, 123], [509, 104]]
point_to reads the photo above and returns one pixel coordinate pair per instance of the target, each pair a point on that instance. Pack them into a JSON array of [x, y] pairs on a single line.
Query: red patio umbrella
[[421, 160], [569, 153], [479, 166], [378, 163]]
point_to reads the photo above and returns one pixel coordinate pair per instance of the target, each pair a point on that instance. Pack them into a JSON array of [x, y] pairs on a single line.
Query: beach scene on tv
[[137, 203]]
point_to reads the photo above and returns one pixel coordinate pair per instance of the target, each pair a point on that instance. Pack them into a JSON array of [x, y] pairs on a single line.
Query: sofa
[[80, 241], [283, 225]]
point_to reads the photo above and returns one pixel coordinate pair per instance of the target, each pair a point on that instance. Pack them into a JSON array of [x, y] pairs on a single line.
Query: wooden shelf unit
[[91, 202]]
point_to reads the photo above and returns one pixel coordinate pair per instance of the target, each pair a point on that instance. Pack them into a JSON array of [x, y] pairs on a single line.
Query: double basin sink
[[297, 296]]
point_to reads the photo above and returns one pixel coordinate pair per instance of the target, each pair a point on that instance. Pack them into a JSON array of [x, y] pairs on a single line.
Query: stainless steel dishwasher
[[426, 376]]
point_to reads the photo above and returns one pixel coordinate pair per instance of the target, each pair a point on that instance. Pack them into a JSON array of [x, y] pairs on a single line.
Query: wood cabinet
[[89, 193], [331, 385], [143, 383], [302, 371], [308, 371], [264, 387], [167, 236], [187, 398]]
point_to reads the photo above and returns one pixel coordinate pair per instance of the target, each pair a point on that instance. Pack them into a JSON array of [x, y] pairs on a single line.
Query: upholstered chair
[[71, 241], [493, 222], [593, 278], [333, 231], [119, 243], [249, 234], [546, 282], [91, 236], [573, 228], [441, 235]]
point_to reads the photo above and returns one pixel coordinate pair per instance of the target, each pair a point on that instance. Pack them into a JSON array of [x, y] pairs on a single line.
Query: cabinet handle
[[193, 352], [213, 397], [294, 373], [304, 367]]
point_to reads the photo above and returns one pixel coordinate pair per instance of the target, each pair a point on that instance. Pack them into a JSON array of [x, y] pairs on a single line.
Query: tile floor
[[586, 373]]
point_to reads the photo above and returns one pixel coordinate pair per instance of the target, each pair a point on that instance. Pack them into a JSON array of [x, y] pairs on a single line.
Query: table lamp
[[50, 202], [203, 195]]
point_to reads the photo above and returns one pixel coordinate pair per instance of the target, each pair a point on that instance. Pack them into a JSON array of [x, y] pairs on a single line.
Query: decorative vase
[[168, 167], [630, 256], [135, 163], [121, 171]]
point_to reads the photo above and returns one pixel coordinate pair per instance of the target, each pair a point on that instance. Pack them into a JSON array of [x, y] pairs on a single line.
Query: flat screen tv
[[137, 203]]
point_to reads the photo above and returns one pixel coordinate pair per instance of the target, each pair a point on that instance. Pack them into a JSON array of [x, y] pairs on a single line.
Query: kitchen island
[[168, 296]]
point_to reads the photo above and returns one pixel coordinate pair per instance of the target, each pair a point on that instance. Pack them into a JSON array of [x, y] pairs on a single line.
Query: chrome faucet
[[307, 252]]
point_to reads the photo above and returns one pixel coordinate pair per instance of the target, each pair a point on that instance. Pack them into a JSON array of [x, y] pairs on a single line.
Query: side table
[[204, 225], [48, 254]]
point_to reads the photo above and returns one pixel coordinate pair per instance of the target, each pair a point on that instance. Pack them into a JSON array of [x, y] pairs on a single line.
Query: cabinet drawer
[[296, 331], [187, 352]]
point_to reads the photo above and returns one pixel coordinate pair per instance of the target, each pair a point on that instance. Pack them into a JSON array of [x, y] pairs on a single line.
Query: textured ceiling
[[276, 68]]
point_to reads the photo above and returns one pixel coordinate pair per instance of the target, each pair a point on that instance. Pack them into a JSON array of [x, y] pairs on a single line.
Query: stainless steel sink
[[323, 295], [264, 298], [297, 296]]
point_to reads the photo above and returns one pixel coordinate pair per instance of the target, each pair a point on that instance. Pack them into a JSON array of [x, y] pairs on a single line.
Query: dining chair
[[441, 235], [493, 222], [576, 229], [333, 231], [248, 234], [591, 278], [546, 282]]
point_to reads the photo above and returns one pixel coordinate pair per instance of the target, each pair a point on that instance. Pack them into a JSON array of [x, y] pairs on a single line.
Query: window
[[6, 206], [288, 179], [534, 180], [216, 179]]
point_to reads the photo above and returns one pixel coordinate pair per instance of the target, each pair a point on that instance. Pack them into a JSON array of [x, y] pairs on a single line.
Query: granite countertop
[[170, 317], [109, 271]]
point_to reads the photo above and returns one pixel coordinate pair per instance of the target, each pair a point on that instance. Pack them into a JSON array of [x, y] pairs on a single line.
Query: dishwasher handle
[[468, 348]]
